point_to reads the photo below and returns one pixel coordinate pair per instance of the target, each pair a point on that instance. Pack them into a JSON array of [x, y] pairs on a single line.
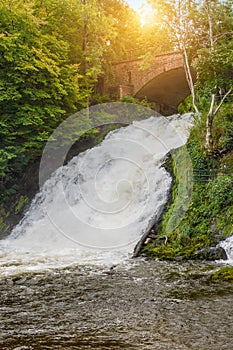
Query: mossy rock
[[211, 253], [225, 274]]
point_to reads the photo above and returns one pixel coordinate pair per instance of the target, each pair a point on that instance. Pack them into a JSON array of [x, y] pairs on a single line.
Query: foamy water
[[228, 246], [96, 208]]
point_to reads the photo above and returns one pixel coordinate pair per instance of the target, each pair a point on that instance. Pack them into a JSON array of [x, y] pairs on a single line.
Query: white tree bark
[[209, 125], [211, 33], [210, 118], [189, 79]]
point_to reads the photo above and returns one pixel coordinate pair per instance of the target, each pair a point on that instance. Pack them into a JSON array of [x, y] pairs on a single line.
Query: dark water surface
[[138, 305]]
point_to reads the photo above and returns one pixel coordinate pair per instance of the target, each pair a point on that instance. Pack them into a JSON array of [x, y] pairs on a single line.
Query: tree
[[51, 55], [38, 87], [154, 38], [215, 63], [179, 16], [202, 27], [84, 26], [126, 29]]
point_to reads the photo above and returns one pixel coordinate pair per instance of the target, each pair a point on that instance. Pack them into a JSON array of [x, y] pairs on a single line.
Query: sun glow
[[146, 15]]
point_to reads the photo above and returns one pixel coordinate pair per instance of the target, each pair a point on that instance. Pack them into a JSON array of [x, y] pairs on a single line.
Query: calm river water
[[136, 305]]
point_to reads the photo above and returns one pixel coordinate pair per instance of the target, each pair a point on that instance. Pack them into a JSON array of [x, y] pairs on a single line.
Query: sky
[[136, 4]]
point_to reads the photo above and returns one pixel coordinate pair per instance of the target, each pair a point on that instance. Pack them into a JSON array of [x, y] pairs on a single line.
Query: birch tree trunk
[[210, 118], [209, 126], [84, 43], [189, 79], [210, 115]]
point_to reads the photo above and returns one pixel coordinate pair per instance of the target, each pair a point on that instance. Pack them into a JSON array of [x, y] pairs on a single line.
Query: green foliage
[[38, 86], [125, 31], [223, 128], [214, 61], [215, 70], [220, 192], [129, 99], [51, 54], [186, 106], [208, 218], [20, 204], [98, 98], [8, 193], [200, 159], [202, 31]]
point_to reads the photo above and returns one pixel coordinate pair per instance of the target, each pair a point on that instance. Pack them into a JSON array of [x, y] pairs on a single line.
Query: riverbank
[[208, 219]]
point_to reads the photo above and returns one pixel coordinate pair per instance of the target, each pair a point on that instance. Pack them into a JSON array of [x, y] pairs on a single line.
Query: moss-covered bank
[[209, 216], [225, 273]]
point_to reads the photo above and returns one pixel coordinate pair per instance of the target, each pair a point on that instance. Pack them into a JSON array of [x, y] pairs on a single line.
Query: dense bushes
[[38, 88]]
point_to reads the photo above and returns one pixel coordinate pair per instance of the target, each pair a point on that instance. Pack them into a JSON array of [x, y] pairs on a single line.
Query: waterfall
[[227, 245], [103, 200]]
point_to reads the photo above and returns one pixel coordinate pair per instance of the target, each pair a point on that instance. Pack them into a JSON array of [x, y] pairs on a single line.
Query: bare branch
[[223, 99], [222, 35]]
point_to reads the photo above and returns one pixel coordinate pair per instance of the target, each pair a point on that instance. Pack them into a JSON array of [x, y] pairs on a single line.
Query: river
[[138, 304], [67, 279]]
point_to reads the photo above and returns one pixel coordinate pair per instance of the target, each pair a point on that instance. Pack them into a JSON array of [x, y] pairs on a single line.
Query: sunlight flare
[[146, 15]]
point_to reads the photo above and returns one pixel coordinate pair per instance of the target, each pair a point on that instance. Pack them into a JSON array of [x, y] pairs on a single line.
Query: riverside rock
[[211, 253]]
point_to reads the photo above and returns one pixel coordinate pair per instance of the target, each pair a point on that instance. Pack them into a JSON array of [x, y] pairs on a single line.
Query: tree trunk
[[209, 137], [210, 118], [84, 43], [211, 35], [189, 79], [209, 126]]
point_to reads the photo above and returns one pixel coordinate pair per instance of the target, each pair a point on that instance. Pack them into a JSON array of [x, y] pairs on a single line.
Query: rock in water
[[211, 253]]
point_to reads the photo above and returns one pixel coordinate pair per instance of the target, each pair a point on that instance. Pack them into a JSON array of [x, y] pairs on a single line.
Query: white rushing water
[[97, 207], [228, 246]]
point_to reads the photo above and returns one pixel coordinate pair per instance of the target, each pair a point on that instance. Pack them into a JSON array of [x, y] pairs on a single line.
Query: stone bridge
[[163, 83]]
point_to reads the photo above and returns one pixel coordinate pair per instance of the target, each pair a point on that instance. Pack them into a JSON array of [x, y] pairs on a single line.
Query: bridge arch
[[167, 90], [163, 83]]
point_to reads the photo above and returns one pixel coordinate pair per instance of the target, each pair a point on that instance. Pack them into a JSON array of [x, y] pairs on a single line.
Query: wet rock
[[178, 258], [211, 253]]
